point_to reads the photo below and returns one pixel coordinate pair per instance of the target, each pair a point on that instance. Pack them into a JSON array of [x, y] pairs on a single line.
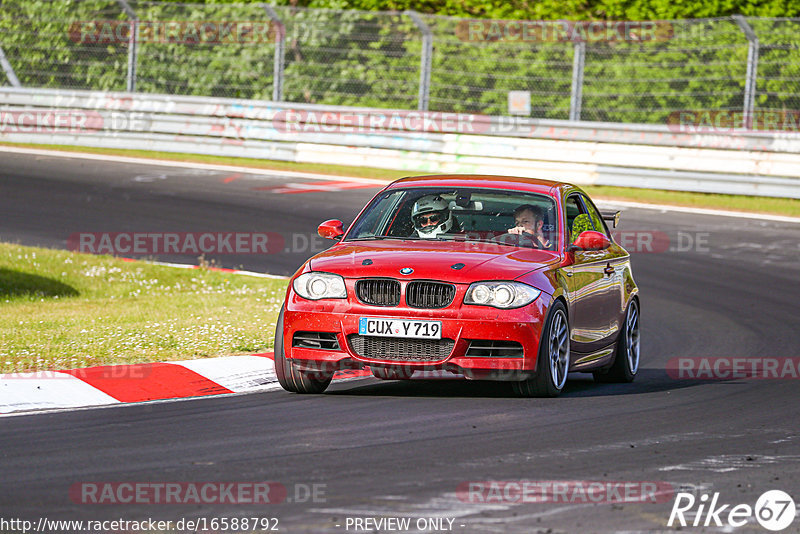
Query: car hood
[[431, 260]]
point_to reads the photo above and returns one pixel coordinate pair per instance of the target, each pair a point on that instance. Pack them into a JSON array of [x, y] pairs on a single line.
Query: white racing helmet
[[431, 216]]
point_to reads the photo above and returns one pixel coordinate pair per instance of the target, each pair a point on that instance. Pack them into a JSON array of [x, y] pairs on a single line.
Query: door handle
[[609, 270]]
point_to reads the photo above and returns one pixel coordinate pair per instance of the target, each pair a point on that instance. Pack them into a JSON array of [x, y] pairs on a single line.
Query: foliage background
[[344, 52]]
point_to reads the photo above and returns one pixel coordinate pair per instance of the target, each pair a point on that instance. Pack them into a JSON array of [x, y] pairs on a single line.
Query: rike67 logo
[[774, 510]]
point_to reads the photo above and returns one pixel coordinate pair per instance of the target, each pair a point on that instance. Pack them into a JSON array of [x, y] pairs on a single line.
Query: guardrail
[[630, 155]]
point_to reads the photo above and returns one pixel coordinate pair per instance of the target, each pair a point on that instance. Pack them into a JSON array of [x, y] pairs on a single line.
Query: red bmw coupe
[[490, 277]]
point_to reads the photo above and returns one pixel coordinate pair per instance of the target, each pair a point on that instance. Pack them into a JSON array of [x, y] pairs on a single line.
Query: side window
[[573, 209], [577, 219], [597, 220]]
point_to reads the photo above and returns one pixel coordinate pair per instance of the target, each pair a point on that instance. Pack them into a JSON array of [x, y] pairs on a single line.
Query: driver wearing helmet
[[432, 217]]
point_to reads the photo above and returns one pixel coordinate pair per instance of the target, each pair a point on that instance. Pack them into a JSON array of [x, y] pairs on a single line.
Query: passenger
[[529, 222]]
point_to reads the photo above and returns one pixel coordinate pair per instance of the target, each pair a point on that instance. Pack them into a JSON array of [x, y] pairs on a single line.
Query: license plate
[[375, 326]]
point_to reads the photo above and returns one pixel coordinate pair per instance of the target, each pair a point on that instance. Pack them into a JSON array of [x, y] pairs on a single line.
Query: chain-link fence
[[641, 72]]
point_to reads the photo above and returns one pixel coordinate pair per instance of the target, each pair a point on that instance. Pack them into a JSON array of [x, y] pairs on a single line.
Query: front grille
[[378, 291], [488, 348], [423, 294], [407, 350], [315, 340]]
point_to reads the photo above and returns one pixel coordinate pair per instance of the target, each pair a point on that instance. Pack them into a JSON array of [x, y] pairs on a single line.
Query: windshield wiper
[[382, 237]]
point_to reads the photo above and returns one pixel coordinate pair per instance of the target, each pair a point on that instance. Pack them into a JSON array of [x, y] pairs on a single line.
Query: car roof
[[516, 183]]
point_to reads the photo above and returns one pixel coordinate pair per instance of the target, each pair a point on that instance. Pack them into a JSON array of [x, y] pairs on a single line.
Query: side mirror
[[331, 229], [590, 240]]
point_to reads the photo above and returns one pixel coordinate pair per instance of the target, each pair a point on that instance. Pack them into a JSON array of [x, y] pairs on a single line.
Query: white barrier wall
[[631, 155]]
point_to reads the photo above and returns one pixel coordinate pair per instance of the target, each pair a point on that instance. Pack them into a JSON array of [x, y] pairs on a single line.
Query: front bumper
[[461, 323]]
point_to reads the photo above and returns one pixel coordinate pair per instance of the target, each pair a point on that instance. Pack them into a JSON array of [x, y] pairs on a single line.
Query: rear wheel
[[552, 363], [626, 357], [290, 378], [391, 373]]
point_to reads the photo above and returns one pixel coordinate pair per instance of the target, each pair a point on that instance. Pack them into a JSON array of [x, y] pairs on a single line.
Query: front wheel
[[552, 363], [626, 357], [290, 378]]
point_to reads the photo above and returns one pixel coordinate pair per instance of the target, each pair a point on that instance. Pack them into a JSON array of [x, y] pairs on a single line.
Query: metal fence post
[[8, 69], [425, 60], [576, 93], [752, 70], [133, 40], [280, 47]]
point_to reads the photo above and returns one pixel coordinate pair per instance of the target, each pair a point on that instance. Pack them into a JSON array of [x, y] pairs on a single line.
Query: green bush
[[362, 57]]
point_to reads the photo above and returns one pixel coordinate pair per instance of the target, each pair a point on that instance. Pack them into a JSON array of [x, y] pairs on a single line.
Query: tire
[[552, 363], [626, 354], [292, 379], [391, 373]]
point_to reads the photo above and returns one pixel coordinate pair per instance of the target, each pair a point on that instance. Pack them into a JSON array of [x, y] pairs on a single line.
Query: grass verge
[[64, 310], [750, 204]]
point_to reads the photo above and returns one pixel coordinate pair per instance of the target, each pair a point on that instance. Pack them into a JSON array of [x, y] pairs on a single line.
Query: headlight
[[501, 294], [315, 286]]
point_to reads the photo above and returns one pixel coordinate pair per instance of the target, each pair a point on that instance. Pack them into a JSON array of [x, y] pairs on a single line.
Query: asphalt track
[[402, 449]]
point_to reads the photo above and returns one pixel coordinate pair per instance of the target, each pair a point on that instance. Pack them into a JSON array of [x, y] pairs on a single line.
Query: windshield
[[511, 218]]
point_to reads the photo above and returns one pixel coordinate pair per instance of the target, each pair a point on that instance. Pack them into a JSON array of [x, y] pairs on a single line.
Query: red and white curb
[[120, 384], [108, 385], [123, 384]]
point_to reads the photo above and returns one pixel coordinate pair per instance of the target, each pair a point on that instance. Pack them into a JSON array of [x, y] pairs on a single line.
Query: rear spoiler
[[611, 216]]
